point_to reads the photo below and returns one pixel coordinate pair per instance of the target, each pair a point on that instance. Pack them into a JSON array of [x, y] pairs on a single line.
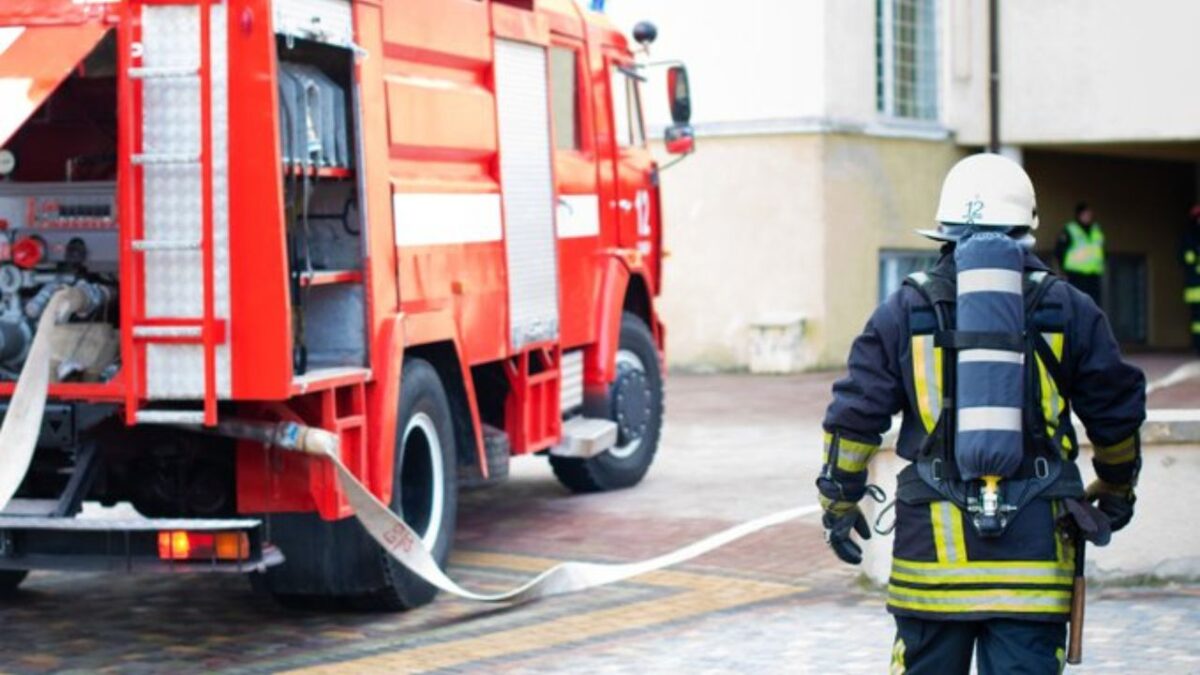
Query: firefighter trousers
[[1001, 647]]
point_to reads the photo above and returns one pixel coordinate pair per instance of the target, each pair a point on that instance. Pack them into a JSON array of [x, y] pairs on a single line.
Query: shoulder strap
[[1037, 285], [937, 292]]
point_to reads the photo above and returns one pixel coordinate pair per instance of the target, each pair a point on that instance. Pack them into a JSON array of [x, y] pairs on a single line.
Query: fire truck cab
[[431, 227]]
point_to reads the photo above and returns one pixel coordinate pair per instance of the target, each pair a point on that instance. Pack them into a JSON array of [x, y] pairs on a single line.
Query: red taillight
[[183, 545]]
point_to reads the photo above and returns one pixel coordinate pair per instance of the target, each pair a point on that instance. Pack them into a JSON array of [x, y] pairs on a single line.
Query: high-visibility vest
[[1085, 252]]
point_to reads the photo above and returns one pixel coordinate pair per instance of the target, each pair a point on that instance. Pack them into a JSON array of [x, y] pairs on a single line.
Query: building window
[[906, 72], [894, 266], [564, 98]]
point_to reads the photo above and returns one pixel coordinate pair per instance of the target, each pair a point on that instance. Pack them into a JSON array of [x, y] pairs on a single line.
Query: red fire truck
[[431, 227]]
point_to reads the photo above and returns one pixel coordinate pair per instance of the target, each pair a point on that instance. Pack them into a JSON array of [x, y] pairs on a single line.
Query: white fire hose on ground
[[405, 545], [23, 421]]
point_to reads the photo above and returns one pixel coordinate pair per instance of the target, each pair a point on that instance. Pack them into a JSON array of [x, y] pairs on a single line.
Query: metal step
[[8, 522], [585, 437], [24, 508], [167, 332], [188, 417], [164, 73], [166, 245], [158, 159]]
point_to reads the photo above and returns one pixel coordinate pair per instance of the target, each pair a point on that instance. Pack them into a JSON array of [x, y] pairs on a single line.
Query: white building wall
[[753, 65], [1082, 71]]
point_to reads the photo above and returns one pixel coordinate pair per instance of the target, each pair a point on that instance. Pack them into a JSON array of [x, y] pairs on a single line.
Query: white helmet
[[986, 191]]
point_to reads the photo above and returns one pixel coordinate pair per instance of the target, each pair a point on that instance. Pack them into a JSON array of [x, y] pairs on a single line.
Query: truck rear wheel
[[635, 403], [337, 564], [425, 493]]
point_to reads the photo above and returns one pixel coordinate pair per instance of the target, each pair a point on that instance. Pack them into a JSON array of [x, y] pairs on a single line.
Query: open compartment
[[322, 193]]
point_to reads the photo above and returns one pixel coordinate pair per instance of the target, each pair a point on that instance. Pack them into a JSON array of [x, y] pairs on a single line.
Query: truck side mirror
[[680, 139], [679, 94]]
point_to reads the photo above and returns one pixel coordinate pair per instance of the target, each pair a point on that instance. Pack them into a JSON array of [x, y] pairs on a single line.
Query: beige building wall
[[744, 233], [877, 192]]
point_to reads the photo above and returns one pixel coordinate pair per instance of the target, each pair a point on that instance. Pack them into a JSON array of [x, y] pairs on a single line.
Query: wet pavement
[[735, 447]]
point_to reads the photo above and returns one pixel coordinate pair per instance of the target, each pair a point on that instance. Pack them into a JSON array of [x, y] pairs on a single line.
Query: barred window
[[906, 58]]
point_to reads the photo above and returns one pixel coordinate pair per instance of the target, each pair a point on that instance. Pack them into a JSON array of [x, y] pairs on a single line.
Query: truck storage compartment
[[317, 110]]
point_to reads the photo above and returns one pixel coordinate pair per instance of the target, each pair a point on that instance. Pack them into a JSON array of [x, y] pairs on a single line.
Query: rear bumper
[[122, 545]]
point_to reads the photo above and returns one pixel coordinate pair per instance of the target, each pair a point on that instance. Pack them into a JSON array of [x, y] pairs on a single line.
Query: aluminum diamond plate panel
[[526, 179], [174, 280]]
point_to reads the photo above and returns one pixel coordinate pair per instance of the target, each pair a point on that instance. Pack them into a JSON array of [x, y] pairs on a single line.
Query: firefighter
[[1080, 252], [1189, 256], [959, 584]]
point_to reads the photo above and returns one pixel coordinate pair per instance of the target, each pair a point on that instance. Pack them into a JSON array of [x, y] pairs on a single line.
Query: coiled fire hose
[[405, 545], [23, 421]]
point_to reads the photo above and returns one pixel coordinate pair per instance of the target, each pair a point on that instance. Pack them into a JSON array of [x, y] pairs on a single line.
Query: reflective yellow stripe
[[898, 667], [927, 379], [1053, 403], [1125, 451], [1189, 257], [1033, 572], [833, 506], [1196, 327], [1192, 294], [948, 538], [853, 456], [1015, 600]]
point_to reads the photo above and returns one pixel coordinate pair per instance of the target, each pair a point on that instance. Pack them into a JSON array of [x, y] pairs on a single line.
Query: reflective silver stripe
[[989, 280], [990, 356], [851, 459], [989, 419], [981, 572], [968, 600], [933, 385], [948, 514]]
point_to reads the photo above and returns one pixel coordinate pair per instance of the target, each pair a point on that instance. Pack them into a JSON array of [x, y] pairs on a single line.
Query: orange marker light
[[183, 545]]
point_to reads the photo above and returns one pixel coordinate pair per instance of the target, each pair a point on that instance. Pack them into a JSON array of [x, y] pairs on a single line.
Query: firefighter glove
[[1115, 501], [840, 519]]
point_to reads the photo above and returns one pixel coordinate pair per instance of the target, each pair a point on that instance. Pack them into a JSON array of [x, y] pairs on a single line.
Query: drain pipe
[[993, 76]]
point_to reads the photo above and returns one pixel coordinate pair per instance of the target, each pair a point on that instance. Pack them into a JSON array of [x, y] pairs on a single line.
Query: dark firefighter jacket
[[941, 568]]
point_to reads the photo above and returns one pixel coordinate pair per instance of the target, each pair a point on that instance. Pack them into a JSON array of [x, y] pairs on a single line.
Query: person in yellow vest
[[1189, 256], [1080, 253]]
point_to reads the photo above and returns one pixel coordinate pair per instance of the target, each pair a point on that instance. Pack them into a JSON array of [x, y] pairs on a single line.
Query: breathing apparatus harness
[[992, 501]]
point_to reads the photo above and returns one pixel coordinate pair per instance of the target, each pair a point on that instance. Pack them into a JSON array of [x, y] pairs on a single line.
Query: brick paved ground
[[735, 447]]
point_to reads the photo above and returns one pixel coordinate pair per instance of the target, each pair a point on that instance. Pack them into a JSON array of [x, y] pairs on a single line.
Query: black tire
[[635, 401], [10, 580], [424, 433], [337, 565]]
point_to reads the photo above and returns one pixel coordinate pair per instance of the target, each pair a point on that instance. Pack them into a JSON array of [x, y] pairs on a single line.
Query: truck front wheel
[[635, 403]]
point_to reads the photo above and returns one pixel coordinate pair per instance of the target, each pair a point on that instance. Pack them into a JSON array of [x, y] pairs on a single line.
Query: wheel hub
[[631, 404]]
